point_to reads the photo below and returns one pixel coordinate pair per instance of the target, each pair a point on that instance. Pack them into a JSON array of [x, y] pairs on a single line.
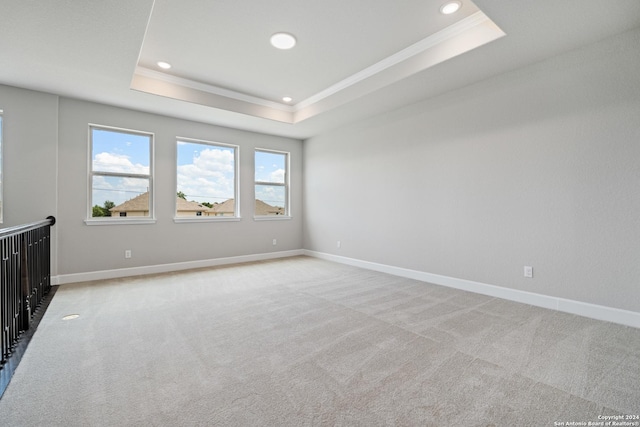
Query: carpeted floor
[[306, 342]]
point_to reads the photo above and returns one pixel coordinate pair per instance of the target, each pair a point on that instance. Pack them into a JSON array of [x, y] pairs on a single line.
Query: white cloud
[[209, 178], [277, 176], [271, 195], [116, 189], [119, 163]]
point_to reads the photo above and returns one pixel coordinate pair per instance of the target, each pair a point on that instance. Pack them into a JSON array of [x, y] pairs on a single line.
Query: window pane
[[206, 173], [111, 196], [120, 152], [270, 200], [270, 167]]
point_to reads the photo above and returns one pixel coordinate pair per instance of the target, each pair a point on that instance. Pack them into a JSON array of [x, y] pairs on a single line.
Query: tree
[[102, 210], [207, 204], [182, 195], [97, 211]]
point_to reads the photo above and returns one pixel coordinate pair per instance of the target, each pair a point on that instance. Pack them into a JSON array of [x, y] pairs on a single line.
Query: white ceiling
[[354, 58], [339, 58]]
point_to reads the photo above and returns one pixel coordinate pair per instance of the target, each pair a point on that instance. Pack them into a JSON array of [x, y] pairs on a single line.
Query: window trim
[[286, 185], [90, 220], [200, 219], [236, 187]]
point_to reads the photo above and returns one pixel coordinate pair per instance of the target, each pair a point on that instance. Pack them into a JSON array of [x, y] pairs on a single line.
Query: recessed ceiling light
[[163, 65], [287, 98], [450, 7], [283, 40], [71, 317]]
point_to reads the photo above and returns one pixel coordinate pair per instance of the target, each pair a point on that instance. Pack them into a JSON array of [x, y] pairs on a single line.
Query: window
[[271, 183], [120, 175], [207, 186], [1, 178]]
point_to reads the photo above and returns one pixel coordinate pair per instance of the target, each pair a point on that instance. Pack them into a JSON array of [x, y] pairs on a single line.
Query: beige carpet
[[305, 342]]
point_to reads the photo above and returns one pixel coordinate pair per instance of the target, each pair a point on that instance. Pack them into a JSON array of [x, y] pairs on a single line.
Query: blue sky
[[205, 172], [270, 167], [121, 153]]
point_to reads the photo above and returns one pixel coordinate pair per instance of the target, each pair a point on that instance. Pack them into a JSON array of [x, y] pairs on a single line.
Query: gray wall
[[535, 167], [85, 248], [30, 132], [45, 173]]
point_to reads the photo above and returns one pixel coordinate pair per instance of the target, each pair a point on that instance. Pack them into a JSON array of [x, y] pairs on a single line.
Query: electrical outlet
[[528, 271], [127, 253], [339, 244], [275, 242]]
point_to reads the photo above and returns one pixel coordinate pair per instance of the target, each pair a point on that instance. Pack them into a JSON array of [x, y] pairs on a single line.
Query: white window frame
[[236, 178], [286, 185], [151, 219]]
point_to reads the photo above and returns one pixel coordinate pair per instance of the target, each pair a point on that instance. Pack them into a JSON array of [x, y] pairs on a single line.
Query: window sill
[[182, 220], [272, 218], [128, 221]]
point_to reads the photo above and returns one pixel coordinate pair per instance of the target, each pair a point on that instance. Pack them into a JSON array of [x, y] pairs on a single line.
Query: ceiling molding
[[451, 31], [216, 90], [196, 95], [456, 39], [90, 53]]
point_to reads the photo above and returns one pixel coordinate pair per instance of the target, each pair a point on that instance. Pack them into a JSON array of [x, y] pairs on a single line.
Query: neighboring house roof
[[226, 207], [137, 204], [141, 203], [263, 208], [183, 205]]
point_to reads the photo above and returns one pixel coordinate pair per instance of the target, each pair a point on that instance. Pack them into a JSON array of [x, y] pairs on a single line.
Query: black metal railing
[[25, 278]]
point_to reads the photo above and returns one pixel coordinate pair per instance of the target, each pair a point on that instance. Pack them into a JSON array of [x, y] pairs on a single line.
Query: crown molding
[[456, 39]]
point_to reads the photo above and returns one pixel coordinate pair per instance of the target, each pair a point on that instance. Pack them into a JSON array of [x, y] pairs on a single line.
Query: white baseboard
[[62, 279], [609, 314]]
